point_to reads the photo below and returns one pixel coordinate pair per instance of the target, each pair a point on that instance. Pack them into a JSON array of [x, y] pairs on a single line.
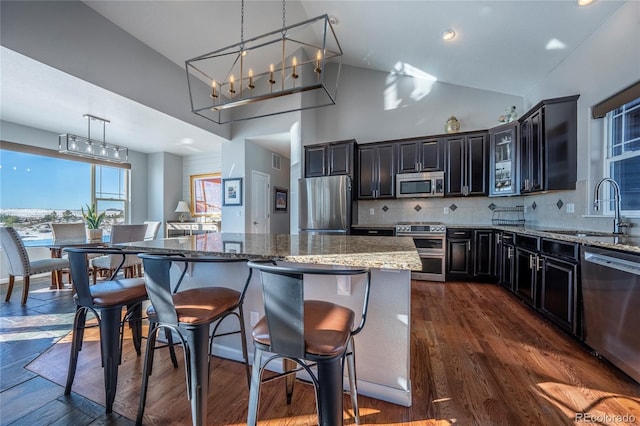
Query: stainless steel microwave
[[420, 185]]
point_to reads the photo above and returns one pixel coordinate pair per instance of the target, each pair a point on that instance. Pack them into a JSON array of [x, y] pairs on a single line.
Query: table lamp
[[182, 208]]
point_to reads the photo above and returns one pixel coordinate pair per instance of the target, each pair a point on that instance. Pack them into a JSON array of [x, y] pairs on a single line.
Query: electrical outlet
[[372, 211], [255, 317], [344, 285], [571, 208], [446, 210], [526, 209]]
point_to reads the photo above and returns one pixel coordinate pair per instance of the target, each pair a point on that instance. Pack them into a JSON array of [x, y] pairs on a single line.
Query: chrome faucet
[[617, 222]]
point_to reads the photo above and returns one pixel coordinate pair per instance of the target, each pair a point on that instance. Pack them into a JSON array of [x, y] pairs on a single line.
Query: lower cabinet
[[559, 295], [546, 277], [459, 254], [470, 254]]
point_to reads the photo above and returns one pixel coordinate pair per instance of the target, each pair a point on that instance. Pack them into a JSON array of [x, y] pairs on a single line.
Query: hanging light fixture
[[91, 148], [293, 68]]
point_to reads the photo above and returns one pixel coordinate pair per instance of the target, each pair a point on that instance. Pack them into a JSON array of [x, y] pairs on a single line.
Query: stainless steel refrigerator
[[325, 205]]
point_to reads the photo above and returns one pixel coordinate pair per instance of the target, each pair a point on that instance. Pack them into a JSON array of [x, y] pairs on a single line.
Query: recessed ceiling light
[[584, 2], [448, 34]]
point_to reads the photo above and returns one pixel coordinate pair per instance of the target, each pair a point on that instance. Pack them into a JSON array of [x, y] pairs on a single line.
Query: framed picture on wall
[[232, 192], [206, 194], [280, 199]]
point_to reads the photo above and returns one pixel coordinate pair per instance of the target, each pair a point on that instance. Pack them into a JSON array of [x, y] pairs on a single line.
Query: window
[[39, 189], [623, 155]]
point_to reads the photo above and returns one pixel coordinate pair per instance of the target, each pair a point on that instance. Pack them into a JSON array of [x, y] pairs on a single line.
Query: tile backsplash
[[558, 209]]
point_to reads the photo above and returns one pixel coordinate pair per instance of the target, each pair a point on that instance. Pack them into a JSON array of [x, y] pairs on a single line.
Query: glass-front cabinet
[[503, 179]]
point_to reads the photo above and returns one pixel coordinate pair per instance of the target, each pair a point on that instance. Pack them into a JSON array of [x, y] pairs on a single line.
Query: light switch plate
[[372, 211], [446, 210], [255, 317], [344, 285], [571, 208]]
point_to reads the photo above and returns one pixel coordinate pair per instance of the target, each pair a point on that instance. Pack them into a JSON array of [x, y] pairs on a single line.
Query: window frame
[[610, 159]]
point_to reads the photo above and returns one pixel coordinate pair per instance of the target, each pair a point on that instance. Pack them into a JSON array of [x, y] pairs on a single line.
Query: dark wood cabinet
[[527, 268], [330, 159], [483, 254], [459, 254], [559, 284], [548, 146], [507, 260], [423, 155], [376, 171], [466, 165], [504, 160]]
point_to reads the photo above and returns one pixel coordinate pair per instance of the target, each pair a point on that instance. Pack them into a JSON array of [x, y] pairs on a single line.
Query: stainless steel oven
[[430, 240]]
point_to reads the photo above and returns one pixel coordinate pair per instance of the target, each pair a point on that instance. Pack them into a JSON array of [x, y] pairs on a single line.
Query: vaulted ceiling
[[503, 46]]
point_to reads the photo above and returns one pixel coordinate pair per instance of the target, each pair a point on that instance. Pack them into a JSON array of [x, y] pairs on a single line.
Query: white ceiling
[[503, 46]]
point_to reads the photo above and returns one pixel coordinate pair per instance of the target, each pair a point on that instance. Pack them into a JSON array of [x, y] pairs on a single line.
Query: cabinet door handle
[[469, 245], [498, 239], [532, 261], [509, 252], [458, 233], [539, 263]]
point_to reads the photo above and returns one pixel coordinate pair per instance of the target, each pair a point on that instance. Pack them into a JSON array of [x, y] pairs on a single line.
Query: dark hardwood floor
[[479, 357]]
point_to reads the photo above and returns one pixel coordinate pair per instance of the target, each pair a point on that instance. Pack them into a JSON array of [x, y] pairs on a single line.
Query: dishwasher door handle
[[613, 263]]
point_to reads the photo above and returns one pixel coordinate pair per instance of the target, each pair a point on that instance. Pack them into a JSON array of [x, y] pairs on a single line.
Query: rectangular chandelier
[[91, 148], [290, 69]]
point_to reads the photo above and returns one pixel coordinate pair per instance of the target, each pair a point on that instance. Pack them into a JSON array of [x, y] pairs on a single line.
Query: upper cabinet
[[420, 155], [466, 164], [548, 146], [329, 159], [376, 171], [503, 166]]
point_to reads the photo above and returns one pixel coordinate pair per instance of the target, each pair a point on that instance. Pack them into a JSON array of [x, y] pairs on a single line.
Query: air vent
[[275, 161]]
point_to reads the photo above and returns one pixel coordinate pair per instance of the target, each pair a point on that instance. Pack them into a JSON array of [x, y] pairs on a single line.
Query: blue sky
[[33, 181]]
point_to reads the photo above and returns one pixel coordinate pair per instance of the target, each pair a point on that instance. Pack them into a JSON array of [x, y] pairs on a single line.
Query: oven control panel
[[419, 228]]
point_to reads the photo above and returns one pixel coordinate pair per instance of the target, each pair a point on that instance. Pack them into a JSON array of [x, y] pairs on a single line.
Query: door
[[260, 203]]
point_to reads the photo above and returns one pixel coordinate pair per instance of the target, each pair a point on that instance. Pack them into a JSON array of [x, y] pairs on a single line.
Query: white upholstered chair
[[133, 264], [20, 265], [68, 232], [153, 227]]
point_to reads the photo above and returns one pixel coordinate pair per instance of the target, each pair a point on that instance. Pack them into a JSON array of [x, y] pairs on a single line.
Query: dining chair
[[19, 263], [153, 226], [68, 232], [133, 264], [190, 314], [307, 333], [105, 301], [72, 233]]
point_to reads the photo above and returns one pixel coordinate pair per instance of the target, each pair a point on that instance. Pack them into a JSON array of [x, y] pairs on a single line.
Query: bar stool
[[306, 332], [105, 300], [189, 314]]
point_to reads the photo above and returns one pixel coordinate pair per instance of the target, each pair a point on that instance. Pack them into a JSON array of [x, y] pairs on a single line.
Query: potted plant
[[93, 221]]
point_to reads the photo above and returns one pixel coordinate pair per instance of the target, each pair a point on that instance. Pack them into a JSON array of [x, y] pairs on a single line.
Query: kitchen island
[[382, 354]]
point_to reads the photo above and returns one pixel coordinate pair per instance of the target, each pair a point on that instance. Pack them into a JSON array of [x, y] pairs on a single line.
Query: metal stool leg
[[76, 346], [254, 392], [148, 363], [353, 386], [110, 351], [330, 392], [198, 342]]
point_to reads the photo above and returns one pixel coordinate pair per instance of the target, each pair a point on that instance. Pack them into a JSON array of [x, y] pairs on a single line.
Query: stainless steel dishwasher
[[611, 294]]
